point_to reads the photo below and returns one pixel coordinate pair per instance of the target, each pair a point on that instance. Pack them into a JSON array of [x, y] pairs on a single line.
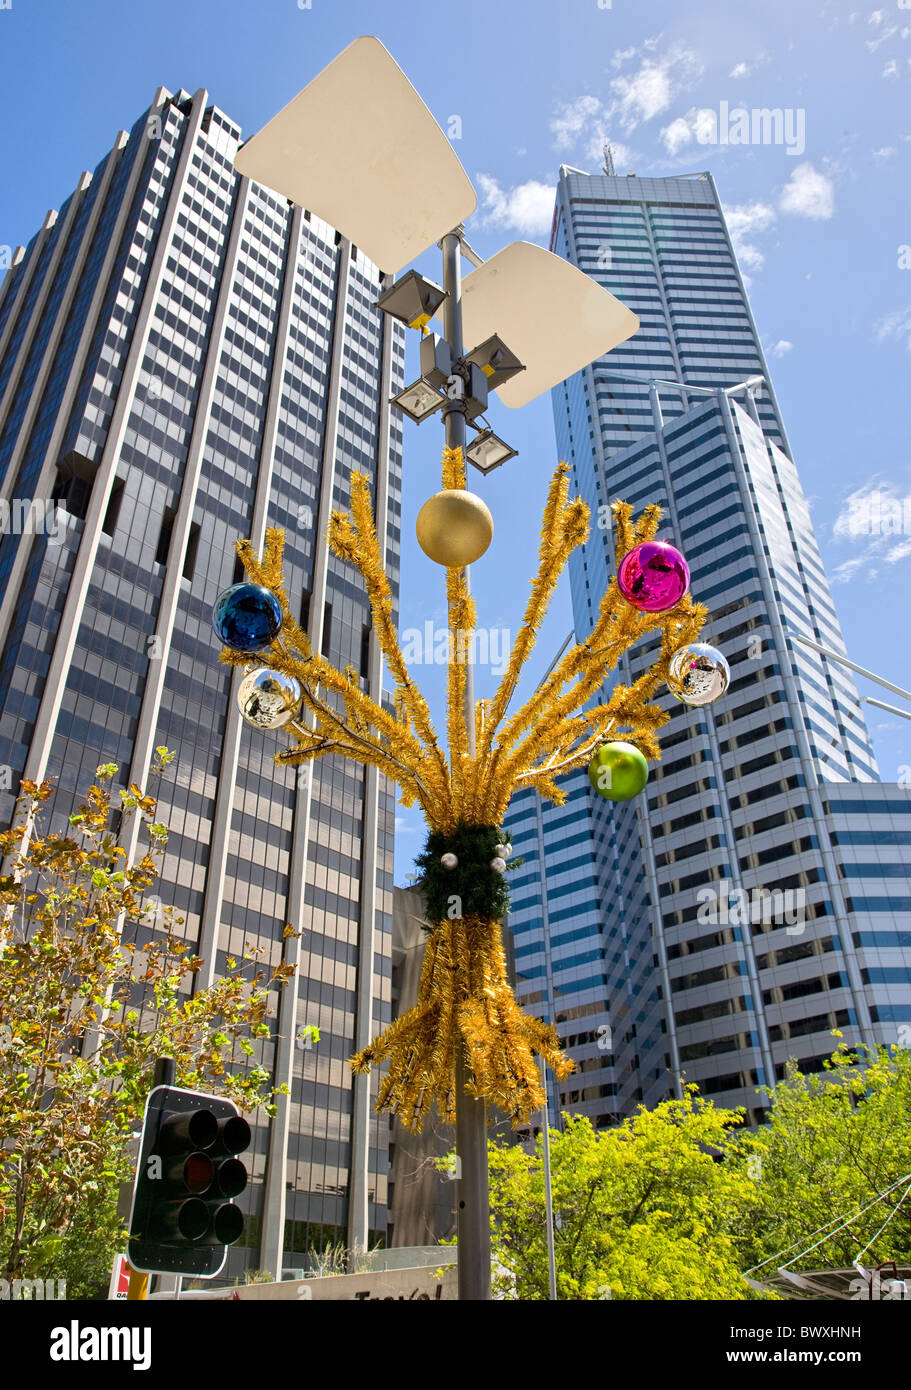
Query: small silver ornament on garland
[[699, 674], [268, 699]]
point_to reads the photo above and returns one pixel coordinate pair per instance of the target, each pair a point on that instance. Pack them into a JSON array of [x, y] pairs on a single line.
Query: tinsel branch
[[609, 645], [565, 526], [462, 621], [395, 751], [355, 540]]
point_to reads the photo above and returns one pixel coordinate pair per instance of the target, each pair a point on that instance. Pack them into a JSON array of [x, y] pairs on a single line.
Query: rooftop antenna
[[609, 161]]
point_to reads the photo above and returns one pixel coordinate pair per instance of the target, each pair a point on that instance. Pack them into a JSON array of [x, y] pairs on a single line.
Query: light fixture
[[474, 399], [436, 360], [384, 174], [496, 361], [413, 300], [487, 451], [419, 400]]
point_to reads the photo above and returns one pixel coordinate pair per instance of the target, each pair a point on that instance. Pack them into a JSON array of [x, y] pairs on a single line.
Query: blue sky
[[820, 231]]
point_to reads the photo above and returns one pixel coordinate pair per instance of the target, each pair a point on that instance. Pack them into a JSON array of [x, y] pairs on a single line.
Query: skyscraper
[[184, 359], [750, 901]]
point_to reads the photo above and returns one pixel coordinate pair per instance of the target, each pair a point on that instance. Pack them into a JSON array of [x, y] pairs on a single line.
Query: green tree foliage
[[675, 1202], [95, 983], [833, 1142], [642, 1210]]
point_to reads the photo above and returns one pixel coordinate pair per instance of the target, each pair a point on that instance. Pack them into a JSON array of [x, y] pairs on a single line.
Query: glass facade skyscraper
[[753, 899], [185, 359]]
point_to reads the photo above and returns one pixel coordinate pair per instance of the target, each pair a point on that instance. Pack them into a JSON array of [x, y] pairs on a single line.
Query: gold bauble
[[454, 528]]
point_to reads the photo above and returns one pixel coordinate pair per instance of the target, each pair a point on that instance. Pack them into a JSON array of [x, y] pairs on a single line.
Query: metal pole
[[472, 1192], [891, 709], [165, 1072], [548, 1195], [843, 661]]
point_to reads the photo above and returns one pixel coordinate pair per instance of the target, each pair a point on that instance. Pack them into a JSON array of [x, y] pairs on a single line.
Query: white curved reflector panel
[[360, 149], [552, 316]]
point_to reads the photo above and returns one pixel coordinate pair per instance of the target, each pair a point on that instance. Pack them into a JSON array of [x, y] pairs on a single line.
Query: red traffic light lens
[[198, 1172]]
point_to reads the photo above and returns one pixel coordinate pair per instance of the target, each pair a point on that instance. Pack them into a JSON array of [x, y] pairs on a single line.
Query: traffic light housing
[[183, 1216]]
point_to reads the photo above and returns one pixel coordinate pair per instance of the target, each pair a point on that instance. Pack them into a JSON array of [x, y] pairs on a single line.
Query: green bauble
[[618, 771]]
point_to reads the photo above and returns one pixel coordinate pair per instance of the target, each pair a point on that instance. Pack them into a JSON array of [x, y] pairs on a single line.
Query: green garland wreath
[[473, 887]]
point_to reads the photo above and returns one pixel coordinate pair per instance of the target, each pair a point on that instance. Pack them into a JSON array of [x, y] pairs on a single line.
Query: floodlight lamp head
[[413, 300], [419, 400], [436, 360], [487, 452], [496, 361]]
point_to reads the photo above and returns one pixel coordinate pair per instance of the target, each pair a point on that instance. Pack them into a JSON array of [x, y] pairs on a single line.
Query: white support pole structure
[[861, 670]]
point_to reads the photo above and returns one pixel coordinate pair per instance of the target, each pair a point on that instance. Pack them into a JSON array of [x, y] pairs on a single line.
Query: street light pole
[[548, 1194], [472, 1194]]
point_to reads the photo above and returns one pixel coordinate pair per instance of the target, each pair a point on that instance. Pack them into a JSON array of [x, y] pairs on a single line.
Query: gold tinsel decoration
[[464, 998]]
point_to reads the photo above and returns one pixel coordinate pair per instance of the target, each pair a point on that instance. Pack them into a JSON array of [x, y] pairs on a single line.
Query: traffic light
[[183, 1216]]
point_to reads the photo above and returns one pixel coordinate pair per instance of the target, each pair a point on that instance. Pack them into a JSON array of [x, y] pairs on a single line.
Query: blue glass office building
[[755, 897]]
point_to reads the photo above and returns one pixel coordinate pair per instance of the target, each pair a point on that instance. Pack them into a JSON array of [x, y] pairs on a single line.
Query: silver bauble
[[699, 674], [449, 861], [499, 865], [268, 699]]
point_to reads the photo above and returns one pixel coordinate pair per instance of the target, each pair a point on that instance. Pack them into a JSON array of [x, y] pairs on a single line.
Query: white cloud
[[527, 207], [744, 222], [883, 37], [699, 123], [677, 135], [891, 69], [781, 348], [622, 56], [876, 18], [646, 93], [876, 514], [897, 325], [587, 123], [571, 119], [746, 69], [808, 193], [886, 152], [853, 519], [848, 569]]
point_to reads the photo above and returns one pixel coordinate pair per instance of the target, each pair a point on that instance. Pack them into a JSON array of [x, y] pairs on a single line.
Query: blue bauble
[[246, 617]]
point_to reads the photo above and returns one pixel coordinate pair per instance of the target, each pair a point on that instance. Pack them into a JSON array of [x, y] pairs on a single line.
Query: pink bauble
[[653, 577]]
